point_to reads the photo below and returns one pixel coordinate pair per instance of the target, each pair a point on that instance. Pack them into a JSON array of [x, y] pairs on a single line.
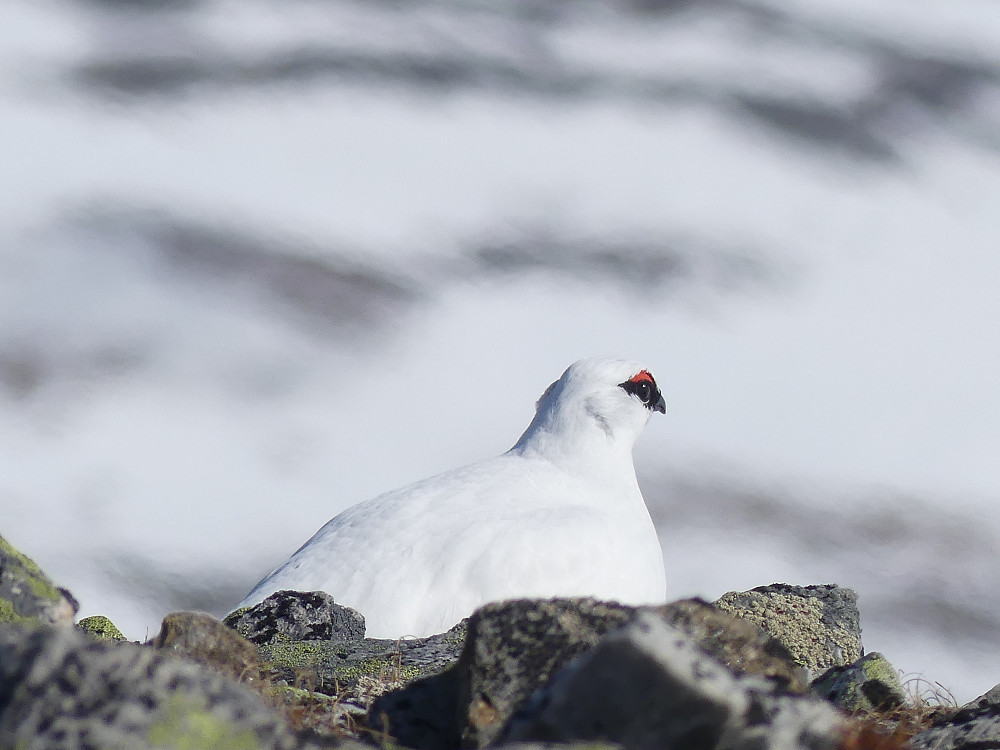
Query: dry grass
[[893, 729], [924, 692]]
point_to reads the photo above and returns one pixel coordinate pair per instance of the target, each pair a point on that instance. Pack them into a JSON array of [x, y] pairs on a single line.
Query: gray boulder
[[512, 648], [735, 642], [515, 647], [287, 616], [60, 688], [990, 698], [820, 625], [650, 686], [205, 640], [28, 597], [967, 729]]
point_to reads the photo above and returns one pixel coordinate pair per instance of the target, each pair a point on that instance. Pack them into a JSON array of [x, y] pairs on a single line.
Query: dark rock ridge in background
[[520, 673], [331, 290], [449, 48]]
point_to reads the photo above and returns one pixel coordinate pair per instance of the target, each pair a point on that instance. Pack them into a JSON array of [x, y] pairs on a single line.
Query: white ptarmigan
[[559, 514]]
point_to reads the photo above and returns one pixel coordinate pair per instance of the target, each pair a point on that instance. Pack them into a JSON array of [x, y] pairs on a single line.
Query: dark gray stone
[[28, 597], [512, 648], [869, 684], [515, 647], [990, 698], [968, 729], [650, 686], [422, 714], [820, 625], [60, 688], [297, 616]]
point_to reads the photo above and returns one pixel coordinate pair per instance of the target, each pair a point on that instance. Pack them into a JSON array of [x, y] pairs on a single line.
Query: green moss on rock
[[870, 684], [311, 654], [28, 597], [40, 584], [10, 615], [185, 723], [101, 627]]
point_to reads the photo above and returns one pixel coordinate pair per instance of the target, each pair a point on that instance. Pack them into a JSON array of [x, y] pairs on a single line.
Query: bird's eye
[[643, 387], [644, 391]]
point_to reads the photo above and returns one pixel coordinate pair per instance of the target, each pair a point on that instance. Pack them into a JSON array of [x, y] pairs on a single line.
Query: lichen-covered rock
[[287, 616], [513, 648], [28, 597], [62, 689], [820, 625], [735, 642], [650, 686], [100, 627], [967, 729], [869, 684], [333, 666], [204, 639]]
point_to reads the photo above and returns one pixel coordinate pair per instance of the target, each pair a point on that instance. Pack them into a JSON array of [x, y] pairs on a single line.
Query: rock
[[297, 616], [870, 684], [366, 667], [60, 688], [967, 729], [990, 698], [28, 597], [820, 625], [204, 639], [513, 648], [650, 686], [735, 642], [100, 627], [420, 715], [209, 642]]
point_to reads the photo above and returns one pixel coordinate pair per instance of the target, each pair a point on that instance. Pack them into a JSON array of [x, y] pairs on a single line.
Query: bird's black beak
[[660, 406]]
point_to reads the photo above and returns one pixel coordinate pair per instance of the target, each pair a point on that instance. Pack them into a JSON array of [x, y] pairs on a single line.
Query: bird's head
[[595, 401]]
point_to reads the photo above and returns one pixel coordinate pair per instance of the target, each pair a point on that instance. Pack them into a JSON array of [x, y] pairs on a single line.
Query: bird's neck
[[584, 447]]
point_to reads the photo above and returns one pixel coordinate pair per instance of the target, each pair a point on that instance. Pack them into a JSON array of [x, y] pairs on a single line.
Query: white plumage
[[559, 514]]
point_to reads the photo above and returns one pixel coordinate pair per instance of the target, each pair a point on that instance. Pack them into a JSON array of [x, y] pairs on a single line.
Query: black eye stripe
[[645, 390]]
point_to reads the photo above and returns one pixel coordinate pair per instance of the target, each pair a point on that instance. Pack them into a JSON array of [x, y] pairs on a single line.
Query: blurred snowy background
[[260, 260]]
